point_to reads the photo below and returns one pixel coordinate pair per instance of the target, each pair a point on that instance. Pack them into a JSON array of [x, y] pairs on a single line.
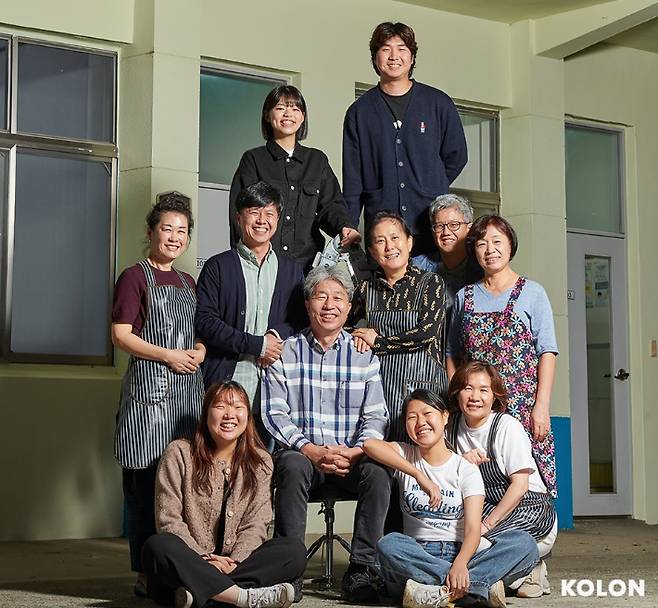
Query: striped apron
[[535, 514], [158, 405], [403, 372]]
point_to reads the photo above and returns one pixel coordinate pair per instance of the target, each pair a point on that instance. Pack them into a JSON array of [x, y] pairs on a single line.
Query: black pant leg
[[371, 482], [139, 493], [294, 476], [169, 563], [278, 560]]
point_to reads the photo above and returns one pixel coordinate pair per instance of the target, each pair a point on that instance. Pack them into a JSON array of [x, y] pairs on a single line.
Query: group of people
[[430, 378]]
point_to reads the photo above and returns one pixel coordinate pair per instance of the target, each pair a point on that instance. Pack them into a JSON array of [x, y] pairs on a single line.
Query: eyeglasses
[[452, 226]]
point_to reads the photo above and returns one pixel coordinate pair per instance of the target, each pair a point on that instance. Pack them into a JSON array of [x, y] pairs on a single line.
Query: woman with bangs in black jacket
[[312, 198]]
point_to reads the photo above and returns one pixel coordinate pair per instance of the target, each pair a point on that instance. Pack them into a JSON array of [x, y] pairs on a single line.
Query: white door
[[599, 375]]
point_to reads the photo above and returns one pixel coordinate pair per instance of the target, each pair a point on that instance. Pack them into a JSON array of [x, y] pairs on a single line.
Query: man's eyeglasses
[[452, 226]]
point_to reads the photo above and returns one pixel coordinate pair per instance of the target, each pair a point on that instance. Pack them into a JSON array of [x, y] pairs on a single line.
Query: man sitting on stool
[[321, 400]]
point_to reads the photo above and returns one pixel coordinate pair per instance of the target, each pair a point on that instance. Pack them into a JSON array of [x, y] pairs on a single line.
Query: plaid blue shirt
[[327, 397]]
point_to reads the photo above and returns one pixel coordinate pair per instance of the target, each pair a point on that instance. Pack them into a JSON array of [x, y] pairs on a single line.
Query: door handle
[[621, 374]]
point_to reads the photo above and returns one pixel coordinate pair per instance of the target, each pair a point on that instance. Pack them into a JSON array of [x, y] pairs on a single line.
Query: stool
[[327, 497]]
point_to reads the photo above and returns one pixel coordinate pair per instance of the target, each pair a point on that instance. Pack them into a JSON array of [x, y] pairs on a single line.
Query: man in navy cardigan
[[403, 141], [249, 299]]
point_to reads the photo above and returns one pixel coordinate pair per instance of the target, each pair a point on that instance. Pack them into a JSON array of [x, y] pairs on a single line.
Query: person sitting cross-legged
[[321, 401]]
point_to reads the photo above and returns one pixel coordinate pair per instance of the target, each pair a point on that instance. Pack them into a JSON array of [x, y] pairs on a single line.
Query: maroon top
[[131, 294]]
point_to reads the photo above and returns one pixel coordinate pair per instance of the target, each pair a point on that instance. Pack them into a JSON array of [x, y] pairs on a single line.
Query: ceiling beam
[[564, 34]]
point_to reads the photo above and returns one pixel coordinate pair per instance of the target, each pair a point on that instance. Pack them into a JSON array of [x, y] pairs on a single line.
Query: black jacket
[[312, 199]]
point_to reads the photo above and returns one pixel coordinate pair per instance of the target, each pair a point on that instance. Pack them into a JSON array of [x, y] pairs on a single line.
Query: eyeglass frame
[[447, 225]]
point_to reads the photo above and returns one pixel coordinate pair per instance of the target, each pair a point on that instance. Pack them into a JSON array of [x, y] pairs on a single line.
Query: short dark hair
[[260, 194], [289, 94], [382, 216], [460, 380], [479, 228], [385, 31], [170, 202], [431, 398]]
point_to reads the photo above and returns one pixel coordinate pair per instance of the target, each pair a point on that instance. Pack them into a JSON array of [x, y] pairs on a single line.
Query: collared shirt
[[312, 199], [331, 397], [259, 281]]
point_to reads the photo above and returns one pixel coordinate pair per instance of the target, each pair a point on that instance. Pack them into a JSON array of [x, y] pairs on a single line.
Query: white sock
[[243, 598]]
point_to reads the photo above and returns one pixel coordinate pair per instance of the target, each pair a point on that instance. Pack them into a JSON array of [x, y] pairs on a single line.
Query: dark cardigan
[[404, 170], [220, 313]]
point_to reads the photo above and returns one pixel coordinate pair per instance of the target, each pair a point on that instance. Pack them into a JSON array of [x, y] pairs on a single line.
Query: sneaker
[[140, 588], [182, 598], [276, 596], [358, 586], [536, 583], [497, 595], [298, 586], [417, 595]]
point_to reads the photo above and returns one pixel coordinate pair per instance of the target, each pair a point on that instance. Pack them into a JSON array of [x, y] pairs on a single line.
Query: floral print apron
[[503, 340]]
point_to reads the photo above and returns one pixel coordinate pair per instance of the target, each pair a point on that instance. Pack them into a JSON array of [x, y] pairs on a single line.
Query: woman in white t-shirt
[[516, 497], [441, 497]]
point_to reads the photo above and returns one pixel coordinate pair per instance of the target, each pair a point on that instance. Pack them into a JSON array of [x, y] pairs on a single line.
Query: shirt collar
[[247, 254], [277, 152], [343, 337]]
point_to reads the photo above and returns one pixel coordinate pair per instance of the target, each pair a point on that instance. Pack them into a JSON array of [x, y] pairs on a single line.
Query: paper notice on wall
[[597, 282]]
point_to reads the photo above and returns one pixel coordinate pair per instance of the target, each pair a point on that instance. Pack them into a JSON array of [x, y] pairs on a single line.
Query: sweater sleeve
[[332, 214], [209, 324], [169, 497], [352, 182], [252, 530], [453, 151]]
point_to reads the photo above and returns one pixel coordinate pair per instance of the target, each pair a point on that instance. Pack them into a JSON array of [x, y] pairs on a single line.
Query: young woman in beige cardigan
[[213, 504]]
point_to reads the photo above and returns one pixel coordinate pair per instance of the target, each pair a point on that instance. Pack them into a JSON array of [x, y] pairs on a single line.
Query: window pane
[[231, 108], [65, 93], [61, 282], [4, 71], [593, 179], [481, 138]]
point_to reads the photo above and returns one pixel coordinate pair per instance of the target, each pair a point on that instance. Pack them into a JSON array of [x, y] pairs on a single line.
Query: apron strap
[[514, 296], [468, 298], [492, 435], [183, 280], [148, 273]]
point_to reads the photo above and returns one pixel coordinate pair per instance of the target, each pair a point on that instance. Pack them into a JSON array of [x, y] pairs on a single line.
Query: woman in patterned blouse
[[404, 311]]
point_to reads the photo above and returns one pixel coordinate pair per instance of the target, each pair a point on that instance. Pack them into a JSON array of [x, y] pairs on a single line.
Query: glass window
[[4, 87], [593, 179], [60, 287], [229, 122], [481, 172], [65, 93]]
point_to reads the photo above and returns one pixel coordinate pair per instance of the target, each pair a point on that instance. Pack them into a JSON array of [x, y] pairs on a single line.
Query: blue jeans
[[512, 554]]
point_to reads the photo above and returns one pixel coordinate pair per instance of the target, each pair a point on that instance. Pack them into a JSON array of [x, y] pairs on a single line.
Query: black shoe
[[360, 585], [298, 586], [140, 589]]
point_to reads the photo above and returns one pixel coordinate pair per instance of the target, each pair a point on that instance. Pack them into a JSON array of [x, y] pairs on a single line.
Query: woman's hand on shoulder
[[181, 361], [365, 334], [475, 456]]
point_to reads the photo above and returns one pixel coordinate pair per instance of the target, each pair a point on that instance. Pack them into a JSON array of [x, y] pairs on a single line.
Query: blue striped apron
[[158, 405], [403, 372], [535, 514]]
